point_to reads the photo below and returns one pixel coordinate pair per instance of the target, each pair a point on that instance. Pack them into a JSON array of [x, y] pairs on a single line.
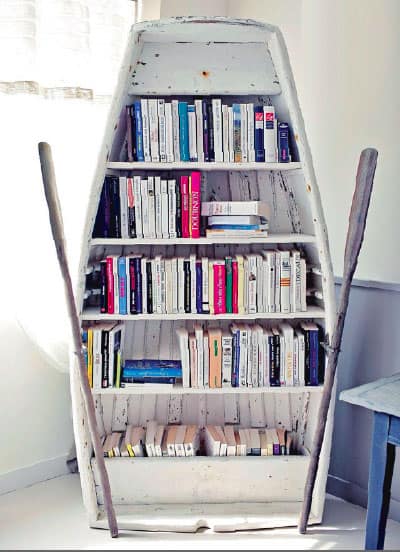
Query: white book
[[287, 334], [277, 281], [169, 141], [223, 444], [243, 355], [111, 345], [179, 441], [285, 278], [249, 355], [158, 206], [230, 135], [199, 130], [151, 430], [270, 305], [138, 206], [250, 132], [145, 207], [241, 449], [158, 440], [162, 135], [168, 285], [255, 441], [152, 207], [154, 287], [181, 286], [193, 360], [183, 342], [123, 197], [235, 208], [248, 441], [199, 334], [116, 283], [212, 441], [261, 354], [171, 209], [246, 286], [192, 260], [175, 130], [163, 288], [217, 124], [164, 210], [206, 360], [157, 300], [252, 365], [225, 133], [174, 276], [226, 347], [192, 133], [153, 128], [260, 283], [303, 285], [97, 358], [301, 357], [145, 130], [230, 440], [270, 134], [295, 360], [266, 336], [252, 284], [243, 132], [204, 284], [216, 220], [144, 284]]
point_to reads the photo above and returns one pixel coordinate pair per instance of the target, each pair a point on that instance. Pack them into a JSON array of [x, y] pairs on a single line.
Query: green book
[[228, 286]]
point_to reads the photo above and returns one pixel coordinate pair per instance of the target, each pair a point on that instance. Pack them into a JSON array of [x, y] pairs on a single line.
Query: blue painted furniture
[[383, 397]]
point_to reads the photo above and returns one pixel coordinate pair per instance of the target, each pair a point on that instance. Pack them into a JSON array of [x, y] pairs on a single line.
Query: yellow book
[[190, 206], [240, 262], [211, 286], [90, 356]]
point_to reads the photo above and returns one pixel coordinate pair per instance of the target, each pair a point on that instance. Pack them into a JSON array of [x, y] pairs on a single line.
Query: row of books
[[249, 355], [205, 130], [271, 281], [103, 348], [191, 440]]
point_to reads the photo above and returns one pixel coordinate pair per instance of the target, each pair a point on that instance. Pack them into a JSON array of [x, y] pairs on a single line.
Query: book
[[225, 134], [228, 284], [259, 133], [193, 360], [217, 124], [131, 208], [158, 207], [215, 337], [205, 131], [129, 133], [199, 335], [172, 208], [183, 341], [171, 436], [138, 206], [251, 156], [151, 430], [233, 220], [180, 440], [199, 130], [151, 207], [281, 433], [212, 441], [178, 209], [158, 438], [237, 133], [123, 206], [243, 132], [146, 130], [164, 209], [231, 208], [226, 346], [153, 130], [283, 143], [183, 131], [192, 132], [195, 204], [206, 360], [191, 441], [210, 132], [169, 140], [219, 287], [138, 131], [152, 368], [270, 134]]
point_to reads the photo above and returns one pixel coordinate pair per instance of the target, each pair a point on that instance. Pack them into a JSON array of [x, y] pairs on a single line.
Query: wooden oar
[[57, 229], [355, 236]]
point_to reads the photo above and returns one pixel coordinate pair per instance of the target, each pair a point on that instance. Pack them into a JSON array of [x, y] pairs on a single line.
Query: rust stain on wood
[[308, 188], [205, 74]]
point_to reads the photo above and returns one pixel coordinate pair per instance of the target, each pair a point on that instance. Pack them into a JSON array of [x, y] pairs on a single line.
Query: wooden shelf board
[[312, 312], [159, 389], [271, 238], [188, 165]]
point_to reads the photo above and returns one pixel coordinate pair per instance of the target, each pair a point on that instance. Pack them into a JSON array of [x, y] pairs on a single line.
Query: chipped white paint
[[271, 488]]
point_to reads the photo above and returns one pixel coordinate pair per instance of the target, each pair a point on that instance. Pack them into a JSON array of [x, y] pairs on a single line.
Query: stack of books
[[236, 218], [191, 440], [269, 281], [249, 355], [147, 372], [205, 130], [103, 347]]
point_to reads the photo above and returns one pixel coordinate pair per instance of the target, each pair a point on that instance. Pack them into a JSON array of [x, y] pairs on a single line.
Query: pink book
[[110, 285], [195, 207], [235, 280], [185, 206], [219, 288]]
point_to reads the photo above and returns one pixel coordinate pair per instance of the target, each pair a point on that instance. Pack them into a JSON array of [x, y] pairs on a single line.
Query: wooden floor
[[50, 515]]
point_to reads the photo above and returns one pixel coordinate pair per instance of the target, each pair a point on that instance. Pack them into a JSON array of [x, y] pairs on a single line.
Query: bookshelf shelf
[[271, 238], [311, 312], [189, 166], [150, 389], [224, 493]]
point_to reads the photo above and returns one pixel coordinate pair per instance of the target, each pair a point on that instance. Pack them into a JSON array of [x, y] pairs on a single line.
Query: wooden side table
[[383, 397]]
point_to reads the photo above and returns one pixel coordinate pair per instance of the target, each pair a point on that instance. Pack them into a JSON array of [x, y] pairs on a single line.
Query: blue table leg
[[380, 479]]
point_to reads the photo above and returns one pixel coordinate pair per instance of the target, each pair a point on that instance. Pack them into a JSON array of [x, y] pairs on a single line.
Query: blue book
[[150, 363], [99, 229], [137, 264], [236, 358], [151, 368], [259, 133], [205, 131], [283, 143], [127, 379], [199, 288], [183, 130], [139, 131], [314, 357], [236, 227], [122, 287]]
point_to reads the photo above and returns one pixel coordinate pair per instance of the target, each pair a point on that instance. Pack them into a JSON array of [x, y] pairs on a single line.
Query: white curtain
[[58, 66]]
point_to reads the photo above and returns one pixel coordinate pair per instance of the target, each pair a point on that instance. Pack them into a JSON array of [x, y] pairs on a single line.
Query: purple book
[[276, 449], [205, 131], [199, 288]]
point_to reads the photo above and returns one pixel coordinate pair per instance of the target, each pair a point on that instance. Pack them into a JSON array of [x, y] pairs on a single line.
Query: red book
[[185, 206], [195, 204], [110, 285], [235, 280], [219, 288]]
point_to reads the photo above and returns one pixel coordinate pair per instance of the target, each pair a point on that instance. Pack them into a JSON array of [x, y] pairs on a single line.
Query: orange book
[[214, 340]]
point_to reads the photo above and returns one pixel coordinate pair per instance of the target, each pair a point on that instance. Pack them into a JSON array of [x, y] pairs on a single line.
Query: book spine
[[260, 284], [199, 130], [145, 207], [303, 285], [270, 137], [129, 133], [178, 203], [278, 364], [254, 357], [143, 263], [200, 355], [259, 133], [149, 283], [152, 207], [226, 345], [237, 149], [169, 134], [132, 287], [116, 284], [313, 357], [241, 286], [97, 361], [193, 284], [205, 287], [175, 130], [183, 131], [131, 208], [217, 122], [187, 296], [205, 131], [277, 281], [154, 288], [103, 287], [174, 284], [171, 209], [110, 286], [229, 285], [164, 210], [185, 206], [211, 287], [283, 143], [210, 127], [181, 286], [138, 206], [236, 358], [225, 133], [104, 359], [243, 132], [122, 283], [195, 204], [285, 278], [90, 356], [158, 294], [230, 135], [206, 360], [192, 133], [235, 282], [115, 209], [243, 358], [252, 285], [193, 360], [250, 132], [219, 288], [158, 206], [162, 134], [146, 130], [163, 298], [153, 128], [199, 287], [139, 131]]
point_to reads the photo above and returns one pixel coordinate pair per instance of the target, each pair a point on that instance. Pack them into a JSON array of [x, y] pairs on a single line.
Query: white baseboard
[[351, 492], [29, 475]]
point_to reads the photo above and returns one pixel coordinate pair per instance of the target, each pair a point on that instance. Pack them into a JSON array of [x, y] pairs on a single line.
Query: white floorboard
[[50, 515]]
